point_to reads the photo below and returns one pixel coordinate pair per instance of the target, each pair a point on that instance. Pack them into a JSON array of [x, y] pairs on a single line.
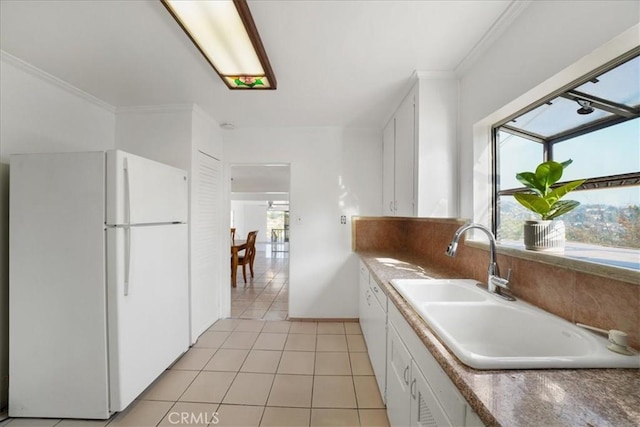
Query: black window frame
[[621, 113]]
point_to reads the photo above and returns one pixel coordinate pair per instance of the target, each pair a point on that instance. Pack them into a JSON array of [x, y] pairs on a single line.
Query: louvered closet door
[[205, 235], [425, 409]]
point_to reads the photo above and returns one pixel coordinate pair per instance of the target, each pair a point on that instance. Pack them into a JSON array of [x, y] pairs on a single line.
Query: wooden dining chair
[[253, 256], [249, 255], [233, 236]]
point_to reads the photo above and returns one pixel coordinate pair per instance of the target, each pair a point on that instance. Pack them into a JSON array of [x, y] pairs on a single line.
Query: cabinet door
[[398, 380], [378, 345], [388, 167], [365, 318], [425, 409], [362, 300], [366, 299], [405, 157]]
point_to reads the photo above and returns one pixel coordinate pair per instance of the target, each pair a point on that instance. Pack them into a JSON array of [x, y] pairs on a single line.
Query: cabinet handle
[[413, 388], [391, 206], [375, 289], [406, 375]]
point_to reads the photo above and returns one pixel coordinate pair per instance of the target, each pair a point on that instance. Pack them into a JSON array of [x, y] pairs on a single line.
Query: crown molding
[[508, 16], [55, 81]]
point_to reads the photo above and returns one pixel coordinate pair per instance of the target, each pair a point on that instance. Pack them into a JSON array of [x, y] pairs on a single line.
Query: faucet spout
[[492, 271]]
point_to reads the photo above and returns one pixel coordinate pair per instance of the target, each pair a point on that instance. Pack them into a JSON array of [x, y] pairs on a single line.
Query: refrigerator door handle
[[127, 229], [127, 259], [127, 193]]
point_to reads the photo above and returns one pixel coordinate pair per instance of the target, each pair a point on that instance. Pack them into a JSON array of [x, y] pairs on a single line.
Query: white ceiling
[[338, 63]]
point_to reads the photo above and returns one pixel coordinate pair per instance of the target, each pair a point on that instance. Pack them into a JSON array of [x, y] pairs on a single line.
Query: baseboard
[[323, 319]]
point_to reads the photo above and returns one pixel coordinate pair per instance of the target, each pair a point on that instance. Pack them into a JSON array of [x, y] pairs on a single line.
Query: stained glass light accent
[[248, 82]]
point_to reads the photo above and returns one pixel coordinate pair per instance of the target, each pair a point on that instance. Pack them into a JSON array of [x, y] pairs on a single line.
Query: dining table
[[236, 247]]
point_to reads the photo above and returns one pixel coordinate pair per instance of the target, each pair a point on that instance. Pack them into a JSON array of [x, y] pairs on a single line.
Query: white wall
[[42, 114], [334, 172], [39, 113], [250, 215], [547, 37], [160, 133]]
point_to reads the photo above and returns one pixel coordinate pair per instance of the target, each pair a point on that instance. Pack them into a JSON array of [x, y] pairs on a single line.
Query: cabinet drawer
[[364, 272], [378, 292]]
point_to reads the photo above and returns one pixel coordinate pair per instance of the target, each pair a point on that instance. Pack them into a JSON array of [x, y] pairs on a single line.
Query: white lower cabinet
[[373, 321], [398, 380], [419, 393], [414, 387], [410, 400]]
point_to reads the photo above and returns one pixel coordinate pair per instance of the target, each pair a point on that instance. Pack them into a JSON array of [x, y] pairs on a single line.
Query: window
[[596, 123], [278, 225]]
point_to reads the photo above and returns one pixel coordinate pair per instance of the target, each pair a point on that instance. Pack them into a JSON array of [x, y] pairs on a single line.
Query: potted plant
[[547, 233]]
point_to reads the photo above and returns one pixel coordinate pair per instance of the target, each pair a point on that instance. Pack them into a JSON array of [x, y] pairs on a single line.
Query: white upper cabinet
[[420, 150], [398, 164], [388, 168], [405, 157]]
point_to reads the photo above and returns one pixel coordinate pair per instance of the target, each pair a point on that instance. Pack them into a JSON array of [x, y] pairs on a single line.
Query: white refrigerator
[[98, 284]]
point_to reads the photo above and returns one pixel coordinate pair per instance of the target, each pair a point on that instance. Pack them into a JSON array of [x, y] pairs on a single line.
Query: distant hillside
[[595, 224]]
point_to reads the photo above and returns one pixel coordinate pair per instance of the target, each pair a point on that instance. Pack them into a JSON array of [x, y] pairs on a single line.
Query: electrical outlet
[[343, 219]]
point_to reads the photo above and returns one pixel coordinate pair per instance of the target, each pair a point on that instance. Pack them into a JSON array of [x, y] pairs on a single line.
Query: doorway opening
[[260, 202]]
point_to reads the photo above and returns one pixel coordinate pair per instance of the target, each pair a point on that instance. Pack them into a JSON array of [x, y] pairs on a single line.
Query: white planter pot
[[544, 236]]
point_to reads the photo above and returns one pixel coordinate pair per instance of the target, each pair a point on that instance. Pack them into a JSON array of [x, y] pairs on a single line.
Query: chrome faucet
[[494, 282]]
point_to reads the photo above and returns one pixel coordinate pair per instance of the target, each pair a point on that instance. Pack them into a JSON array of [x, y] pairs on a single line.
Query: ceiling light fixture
[[226, 35], [585, 107]]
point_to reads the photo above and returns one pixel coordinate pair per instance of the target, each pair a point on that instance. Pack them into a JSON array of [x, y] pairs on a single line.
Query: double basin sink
[[487, 332]]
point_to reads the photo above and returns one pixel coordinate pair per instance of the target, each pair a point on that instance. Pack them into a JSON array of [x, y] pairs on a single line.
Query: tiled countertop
[[575, 397]]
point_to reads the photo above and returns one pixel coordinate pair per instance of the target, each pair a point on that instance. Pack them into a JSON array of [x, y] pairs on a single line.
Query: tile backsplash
[[575, 295]]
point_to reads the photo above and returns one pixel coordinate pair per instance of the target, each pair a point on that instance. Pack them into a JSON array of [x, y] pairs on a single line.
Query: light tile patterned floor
[[266, 295], [259, 373]]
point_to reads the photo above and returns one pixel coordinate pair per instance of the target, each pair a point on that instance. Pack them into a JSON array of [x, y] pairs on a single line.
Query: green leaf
[[548, 173], [557, 193], [561, 208], [533, 202], [566, 163], [530, 181]]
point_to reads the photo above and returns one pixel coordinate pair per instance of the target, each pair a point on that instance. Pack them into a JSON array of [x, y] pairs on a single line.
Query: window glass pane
[[606, 217], [610, 151], [511, 220], [561, 115], [619, 85], [516, 155]]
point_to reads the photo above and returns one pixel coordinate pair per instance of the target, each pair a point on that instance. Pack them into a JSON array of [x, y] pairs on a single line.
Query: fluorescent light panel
[[225, 33]]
